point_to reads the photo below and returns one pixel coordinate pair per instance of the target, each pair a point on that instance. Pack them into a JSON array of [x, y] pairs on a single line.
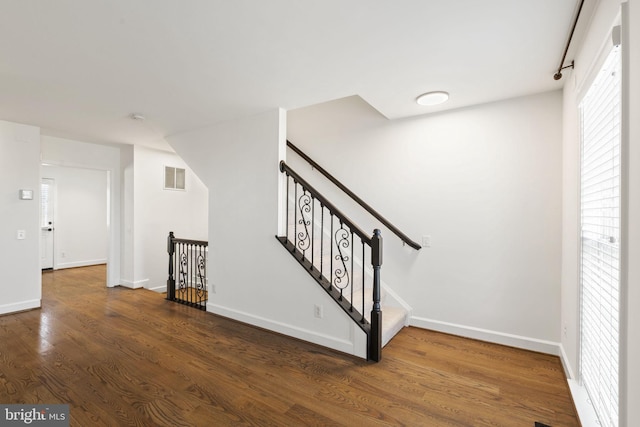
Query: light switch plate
[[26, 194]]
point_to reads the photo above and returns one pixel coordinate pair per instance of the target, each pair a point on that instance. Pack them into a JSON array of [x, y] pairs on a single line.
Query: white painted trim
[[113, 193], [586, 413], [63, 265], [526, 343], [158, 289], [568, 372], [19, 306], [344, 346], [135, 284]]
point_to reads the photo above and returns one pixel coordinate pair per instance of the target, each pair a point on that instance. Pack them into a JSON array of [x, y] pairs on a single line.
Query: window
[[174, 178], [600, 239]]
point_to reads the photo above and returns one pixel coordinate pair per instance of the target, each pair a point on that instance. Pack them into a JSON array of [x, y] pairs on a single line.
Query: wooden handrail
[[357, 199]]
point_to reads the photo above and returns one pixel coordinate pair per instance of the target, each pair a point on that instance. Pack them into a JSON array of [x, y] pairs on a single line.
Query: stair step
[[393, 320]]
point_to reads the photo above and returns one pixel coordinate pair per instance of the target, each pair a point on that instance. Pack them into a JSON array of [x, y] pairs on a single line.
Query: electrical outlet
[[212, 288], [21, 235], [63, 254], [426, 241], [318, 311], [564, 331]]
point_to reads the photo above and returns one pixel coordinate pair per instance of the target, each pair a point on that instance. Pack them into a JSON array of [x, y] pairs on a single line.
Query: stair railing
[[395, 230], [187, 262], [334, 250]]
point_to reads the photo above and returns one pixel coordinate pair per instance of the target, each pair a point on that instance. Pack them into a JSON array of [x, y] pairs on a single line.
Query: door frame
[[113, 216]]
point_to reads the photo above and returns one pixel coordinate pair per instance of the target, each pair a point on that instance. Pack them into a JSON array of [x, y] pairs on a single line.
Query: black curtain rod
[[558, 74]]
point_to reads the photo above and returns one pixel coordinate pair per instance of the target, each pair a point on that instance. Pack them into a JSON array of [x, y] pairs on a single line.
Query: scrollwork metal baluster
[[304, 205], [201, 266], [184, 270], [342, 279]]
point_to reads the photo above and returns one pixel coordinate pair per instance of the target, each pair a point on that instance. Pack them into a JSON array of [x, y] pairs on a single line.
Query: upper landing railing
[[187, 282]]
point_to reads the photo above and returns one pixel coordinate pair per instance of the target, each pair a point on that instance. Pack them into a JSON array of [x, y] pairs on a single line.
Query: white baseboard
[[74, 264], [526, 343], [159, 289], [19, 306], [133, 284], [344, 346], [565, 364]]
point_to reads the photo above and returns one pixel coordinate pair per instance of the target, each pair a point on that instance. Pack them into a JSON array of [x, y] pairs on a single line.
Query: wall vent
[[174, 178]]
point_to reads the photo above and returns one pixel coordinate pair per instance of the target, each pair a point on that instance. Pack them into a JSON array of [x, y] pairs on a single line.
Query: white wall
[[159, 211], [20, 287], [251, 276], [63, 152], [80, 216], [483, 182]]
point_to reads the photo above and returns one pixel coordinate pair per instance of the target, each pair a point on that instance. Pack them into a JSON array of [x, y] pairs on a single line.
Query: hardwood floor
[[128, 357]]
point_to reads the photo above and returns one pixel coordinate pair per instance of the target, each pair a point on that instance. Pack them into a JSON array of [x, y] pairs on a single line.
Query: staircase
[[344, 260]]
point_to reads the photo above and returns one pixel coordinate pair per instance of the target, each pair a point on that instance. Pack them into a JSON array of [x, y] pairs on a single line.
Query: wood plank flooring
[[128, 357]]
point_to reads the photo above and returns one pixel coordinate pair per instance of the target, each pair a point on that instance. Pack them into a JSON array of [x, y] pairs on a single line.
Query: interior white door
[[47, 195]]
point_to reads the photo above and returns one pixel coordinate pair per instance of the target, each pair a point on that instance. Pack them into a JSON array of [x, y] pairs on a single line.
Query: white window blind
[[600, 221]]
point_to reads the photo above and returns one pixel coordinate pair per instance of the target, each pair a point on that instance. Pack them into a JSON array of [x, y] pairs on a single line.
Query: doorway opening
[[75, 215]]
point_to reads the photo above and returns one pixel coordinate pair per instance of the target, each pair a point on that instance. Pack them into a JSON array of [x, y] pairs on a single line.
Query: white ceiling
[[79, 68]]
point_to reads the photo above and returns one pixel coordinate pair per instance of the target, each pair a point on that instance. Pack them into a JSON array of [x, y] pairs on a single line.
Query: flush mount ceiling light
[[137, 116], [432, 98]]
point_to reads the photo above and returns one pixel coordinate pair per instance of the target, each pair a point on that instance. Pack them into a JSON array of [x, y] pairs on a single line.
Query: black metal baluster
[[313, 228], [352, 284], [331, 254], [177, 270], [192, 275], [321, 236], [287, 207], [185, 274], [362, 281], [295, 215]]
